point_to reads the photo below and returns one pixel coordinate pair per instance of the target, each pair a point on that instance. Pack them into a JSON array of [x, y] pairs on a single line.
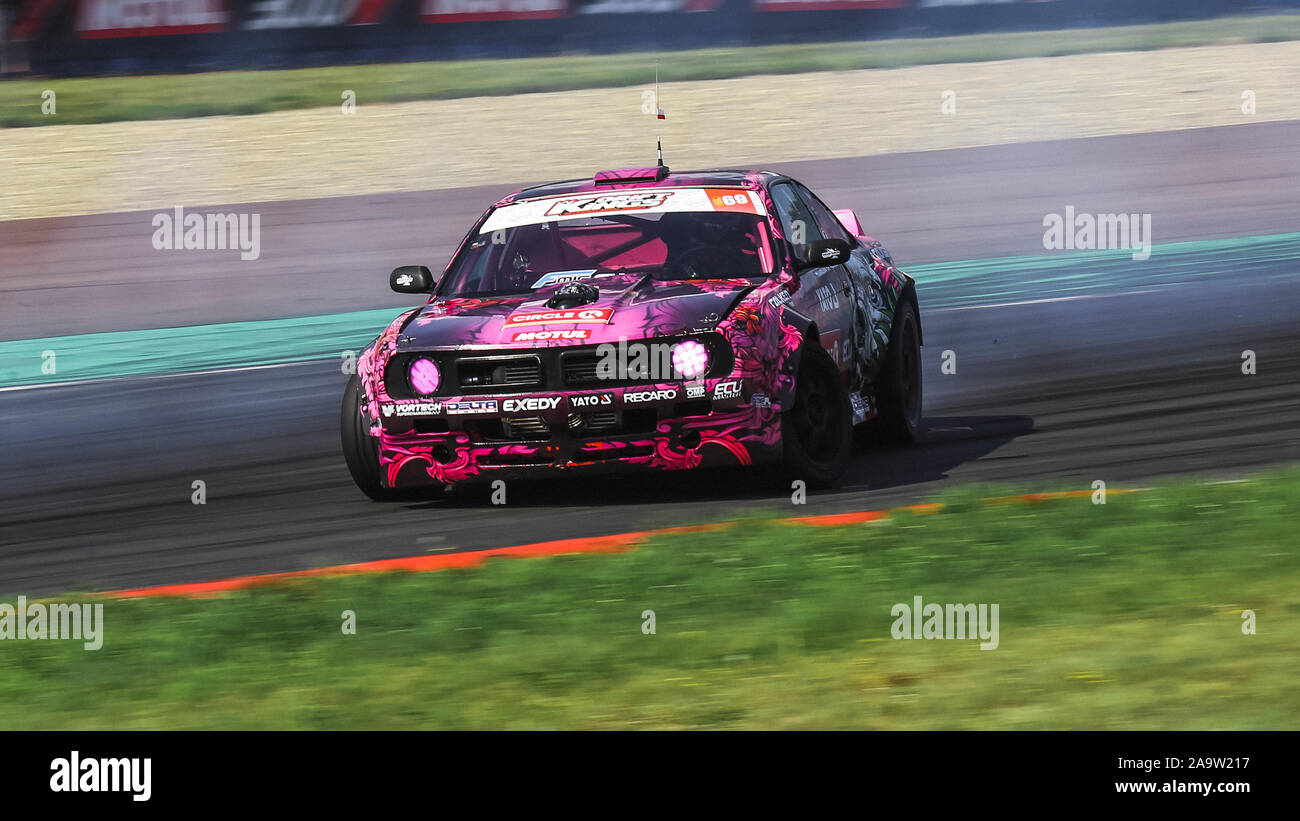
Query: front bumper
[[663, 426]]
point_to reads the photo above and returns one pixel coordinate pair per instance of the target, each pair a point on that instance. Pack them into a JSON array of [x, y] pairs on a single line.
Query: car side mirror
[[823, 253], [411, 279]]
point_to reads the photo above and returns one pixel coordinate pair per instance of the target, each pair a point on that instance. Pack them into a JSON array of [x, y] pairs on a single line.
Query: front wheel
[[900, 387], [817, 431], [359, 447]]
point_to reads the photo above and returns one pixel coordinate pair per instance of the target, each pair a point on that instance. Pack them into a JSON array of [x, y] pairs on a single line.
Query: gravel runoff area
[[83, 169]]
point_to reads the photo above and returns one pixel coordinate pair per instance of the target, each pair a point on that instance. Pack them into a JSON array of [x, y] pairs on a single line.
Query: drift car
[[641, 319]]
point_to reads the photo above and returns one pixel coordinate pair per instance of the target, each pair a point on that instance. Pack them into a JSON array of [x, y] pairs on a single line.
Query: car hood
[[627, 307]]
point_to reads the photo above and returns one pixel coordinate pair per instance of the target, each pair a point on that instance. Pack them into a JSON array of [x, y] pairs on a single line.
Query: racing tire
[[817, 431], [359, 447], [899, 395]]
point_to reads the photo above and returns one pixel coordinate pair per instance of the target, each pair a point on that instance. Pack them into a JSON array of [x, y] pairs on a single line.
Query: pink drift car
[[640, 319]]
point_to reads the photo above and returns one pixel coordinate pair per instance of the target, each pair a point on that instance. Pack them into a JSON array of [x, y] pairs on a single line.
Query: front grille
[[491, 373], [525, 427], [580, 368]]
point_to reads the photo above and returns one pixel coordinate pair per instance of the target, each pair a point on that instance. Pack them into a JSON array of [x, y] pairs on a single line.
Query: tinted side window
[[797, 222], [826, 220]]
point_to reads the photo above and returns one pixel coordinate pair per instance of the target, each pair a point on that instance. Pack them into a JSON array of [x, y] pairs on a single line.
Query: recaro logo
[[650, 396]]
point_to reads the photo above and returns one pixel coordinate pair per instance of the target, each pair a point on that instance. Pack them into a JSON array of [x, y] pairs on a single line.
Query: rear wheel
[[360, 449], [899, 394], [817, 431]]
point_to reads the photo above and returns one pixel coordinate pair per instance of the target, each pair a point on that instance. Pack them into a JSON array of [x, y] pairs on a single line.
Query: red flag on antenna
[[661, 115]]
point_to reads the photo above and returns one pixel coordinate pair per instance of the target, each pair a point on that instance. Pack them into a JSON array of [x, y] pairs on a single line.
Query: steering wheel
[[699, 260]]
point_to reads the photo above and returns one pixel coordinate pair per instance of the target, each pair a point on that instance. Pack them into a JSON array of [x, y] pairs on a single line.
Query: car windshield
[[703, 234]]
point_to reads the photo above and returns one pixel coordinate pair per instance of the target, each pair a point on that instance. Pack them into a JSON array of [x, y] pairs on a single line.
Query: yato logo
[[412, 409], [650, 396], [570, 315], [591, 400], [542, 336], [695, 390], [535, 403], [473, 406], [609, 202], [727, 390]]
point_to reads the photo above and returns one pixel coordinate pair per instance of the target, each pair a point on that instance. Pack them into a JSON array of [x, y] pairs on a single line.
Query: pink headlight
[[424, 376], [690, 358]]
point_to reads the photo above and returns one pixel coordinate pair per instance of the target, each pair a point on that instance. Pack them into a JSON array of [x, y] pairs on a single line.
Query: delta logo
[[570, 315]]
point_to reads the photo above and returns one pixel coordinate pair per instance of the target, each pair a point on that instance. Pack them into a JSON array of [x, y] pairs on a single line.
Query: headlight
[[424, 376], [690, 358]]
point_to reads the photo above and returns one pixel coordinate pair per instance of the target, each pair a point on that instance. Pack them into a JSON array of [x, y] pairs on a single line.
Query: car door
[[861, 317], [822, 293]]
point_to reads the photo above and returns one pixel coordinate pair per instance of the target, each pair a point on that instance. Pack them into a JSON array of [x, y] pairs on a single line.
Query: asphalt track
[[1123, 381]]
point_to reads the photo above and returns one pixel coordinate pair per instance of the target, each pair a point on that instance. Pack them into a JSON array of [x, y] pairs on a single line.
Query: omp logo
[[571, 315], [591, 400], [650, 396], [535, 403], [77, 774], [608, 202], [542, 336]]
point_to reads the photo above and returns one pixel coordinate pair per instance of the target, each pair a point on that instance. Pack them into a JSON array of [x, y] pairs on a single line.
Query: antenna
[[659, 115]]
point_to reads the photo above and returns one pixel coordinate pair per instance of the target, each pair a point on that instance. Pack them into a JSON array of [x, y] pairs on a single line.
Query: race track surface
[[1121, 382]]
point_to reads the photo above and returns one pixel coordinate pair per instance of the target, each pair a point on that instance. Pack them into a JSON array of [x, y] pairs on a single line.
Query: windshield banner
[[605, 203]]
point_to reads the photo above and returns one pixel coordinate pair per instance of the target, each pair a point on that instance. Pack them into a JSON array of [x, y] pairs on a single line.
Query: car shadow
[[947, 441]]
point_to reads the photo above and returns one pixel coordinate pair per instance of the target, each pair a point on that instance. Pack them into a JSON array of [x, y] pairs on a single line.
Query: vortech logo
[[412, 409], [609, 202]]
